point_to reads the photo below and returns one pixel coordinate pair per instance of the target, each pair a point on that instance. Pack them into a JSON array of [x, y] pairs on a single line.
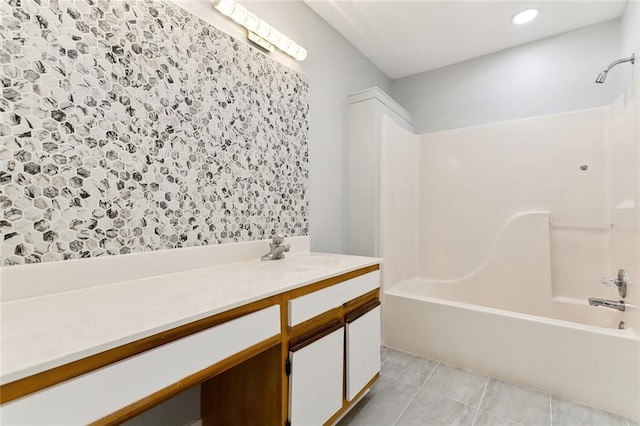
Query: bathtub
[[505, 322]]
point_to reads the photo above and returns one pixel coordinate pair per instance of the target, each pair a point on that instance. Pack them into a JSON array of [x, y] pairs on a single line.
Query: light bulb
[[302, 54], [252, 22], [284, 43], [239, 14], [274, 36], [524, 16], [263, 29], [225, 6], [292, 49]]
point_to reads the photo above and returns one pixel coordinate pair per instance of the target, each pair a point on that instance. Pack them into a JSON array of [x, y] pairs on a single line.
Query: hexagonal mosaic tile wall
[[132, 125]]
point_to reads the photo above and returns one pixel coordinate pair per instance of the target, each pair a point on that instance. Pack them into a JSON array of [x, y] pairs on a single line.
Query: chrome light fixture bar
[[259, 31]]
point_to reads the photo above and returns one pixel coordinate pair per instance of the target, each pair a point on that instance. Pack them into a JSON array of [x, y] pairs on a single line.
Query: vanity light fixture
[[525, 16], [259, 31]]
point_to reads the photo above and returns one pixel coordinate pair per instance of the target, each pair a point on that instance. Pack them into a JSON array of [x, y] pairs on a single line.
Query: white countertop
[[43, 332]]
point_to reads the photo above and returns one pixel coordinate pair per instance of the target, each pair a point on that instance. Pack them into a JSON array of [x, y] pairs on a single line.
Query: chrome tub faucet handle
[[620, 281]]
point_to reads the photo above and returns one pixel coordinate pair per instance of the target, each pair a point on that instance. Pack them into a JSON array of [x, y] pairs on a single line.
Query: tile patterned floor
[[415, 391]]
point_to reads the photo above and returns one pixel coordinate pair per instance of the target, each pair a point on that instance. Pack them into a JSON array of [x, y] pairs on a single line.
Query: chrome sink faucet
[[277, 249]]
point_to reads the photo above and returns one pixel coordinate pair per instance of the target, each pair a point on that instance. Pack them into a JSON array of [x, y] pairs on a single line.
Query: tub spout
[[607, 303]]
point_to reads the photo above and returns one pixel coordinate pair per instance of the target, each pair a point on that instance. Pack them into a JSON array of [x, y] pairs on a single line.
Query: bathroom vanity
[[294, 341]]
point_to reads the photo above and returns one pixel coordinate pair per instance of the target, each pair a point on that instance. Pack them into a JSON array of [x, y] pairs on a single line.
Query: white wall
[[335, 69], [548, 76], [631, 29]]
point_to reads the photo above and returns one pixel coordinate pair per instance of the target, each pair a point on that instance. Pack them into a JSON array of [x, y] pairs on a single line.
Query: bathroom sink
[[298, 264], [310, 263]]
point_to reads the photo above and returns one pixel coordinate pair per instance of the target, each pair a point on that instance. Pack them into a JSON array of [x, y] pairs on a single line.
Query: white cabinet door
[[363, 351], [316, 385]]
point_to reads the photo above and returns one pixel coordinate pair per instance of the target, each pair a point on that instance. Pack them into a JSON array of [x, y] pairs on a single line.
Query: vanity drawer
[[310, 305], [95, 395]]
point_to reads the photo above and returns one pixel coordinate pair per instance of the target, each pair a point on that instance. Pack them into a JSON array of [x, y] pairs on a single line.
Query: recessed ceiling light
[[524, 16]]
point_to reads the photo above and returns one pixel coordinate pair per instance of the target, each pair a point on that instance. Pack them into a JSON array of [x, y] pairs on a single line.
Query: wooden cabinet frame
[[239, 366], [323, 324]]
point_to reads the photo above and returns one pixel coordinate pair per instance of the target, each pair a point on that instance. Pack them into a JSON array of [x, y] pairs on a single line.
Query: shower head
[[603, 75]]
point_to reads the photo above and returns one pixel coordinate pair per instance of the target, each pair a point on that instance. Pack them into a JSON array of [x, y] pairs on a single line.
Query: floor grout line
[[478, 408], [416, 394], [480, 402], [387, 358], [402, 380]]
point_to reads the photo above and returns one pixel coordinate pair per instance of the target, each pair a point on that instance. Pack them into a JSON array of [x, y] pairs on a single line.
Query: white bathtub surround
[[513, 237], [473, 180], [446, 196], [515, 276], [399, 198], [625, 180], [77, 322], [495, 236]]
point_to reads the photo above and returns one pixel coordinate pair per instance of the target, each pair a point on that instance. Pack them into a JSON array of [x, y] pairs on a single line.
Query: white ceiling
[[408, 37]]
